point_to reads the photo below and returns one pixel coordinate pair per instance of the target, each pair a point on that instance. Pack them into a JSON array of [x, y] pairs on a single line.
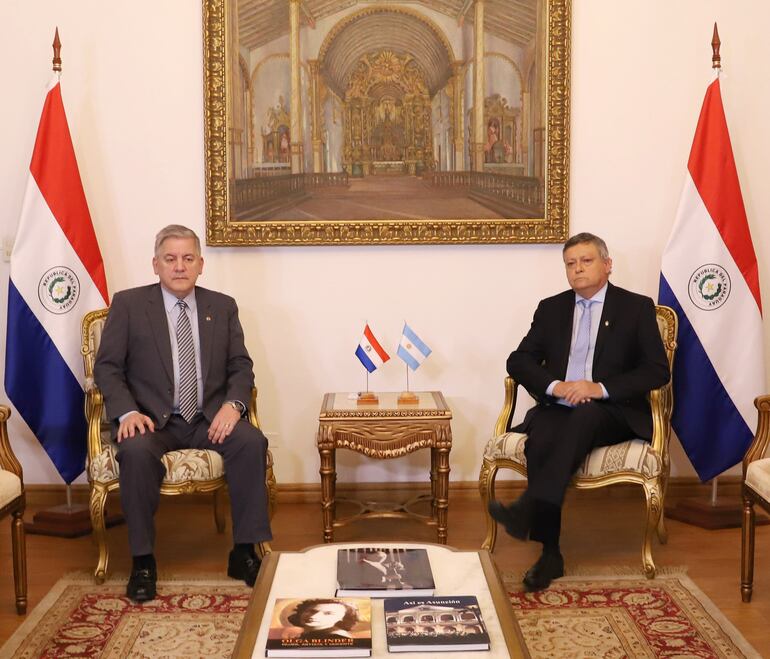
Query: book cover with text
[[320, 627], [434, 624]]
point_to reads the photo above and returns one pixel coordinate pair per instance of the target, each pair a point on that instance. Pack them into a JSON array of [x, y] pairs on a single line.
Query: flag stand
[[714, 513], [367, 397], [65, 520], [407, 397]]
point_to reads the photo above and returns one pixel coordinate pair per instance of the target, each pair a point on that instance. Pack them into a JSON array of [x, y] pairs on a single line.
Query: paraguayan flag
[[371, 354], [710, 277], [57, 275]]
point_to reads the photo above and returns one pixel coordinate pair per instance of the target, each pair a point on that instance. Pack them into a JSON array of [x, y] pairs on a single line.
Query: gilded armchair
[[634, 461], [187, 470], [12, 502], [756, 490]]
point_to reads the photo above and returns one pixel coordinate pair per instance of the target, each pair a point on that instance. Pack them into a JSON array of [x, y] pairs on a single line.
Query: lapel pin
[[606, 323]]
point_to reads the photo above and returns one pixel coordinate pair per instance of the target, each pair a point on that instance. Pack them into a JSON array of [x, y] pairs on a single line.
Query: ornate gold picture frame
[[351, 122]]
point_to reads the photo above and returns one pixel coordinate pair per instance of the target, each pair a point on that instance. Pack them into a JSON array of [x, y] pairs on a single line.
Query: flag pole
[[56, 62], [716, 64], [56, 66]]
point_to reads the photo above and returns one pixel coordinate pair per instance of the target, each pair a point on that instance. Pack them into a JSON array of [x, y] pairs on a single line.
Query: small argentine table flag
[[412, 348]]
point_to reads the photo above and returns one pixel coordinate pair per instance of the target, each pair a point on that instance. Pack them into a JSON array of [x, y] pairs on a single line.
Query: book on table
[[434, 624], [320, 627], [382, 572]]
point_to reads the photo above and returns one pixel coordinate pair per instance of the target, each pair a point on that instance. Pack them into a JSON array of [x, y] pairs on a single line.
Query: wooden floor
[[597, 534]]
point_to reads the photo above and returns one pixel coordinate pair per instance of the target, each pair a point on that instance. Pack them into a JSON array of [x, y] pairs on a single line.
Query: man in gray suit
[[175, 373]]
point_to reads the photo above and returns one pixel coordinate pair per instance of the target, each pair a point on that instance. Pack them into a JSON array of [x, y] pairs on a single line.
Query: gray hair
[[585, 237], [176, 231]]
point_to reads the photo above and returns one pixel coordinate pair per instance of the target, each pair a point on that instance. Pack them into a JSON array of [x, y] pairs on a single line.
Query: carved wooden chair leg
[[272, 488], [653, 501], [98, 500], [219, 517], [19, 561], [747, 549], [487, 477], [662, 529], [263, 548]]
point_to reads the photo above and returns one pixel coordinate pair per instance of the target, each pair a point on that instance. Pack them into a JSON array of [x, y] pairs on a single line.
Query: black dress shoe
[[141, 585], [549, 566], [243, 566], [516, 518]]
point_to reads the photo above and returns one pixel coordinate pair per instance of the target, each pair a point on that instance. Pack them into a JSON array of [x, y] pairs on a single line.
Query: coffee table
[[312, 573], [383, 431]]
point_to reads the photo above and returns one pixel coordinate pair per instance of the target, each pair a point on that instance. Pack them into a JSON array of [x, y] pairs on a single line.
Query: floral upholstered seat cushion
[[633, 455], [10, 487], [186, 465], [758, 477]]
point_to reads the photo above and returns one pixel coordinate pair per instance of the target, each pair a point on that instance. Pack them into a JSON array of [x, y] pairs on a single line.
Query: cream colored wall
[[133, 92]]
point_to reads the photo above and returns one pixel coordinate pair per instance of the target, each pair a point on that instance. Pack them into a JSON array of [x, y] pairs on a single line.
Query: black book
[[434, 624], [320, 627], [380, 572]]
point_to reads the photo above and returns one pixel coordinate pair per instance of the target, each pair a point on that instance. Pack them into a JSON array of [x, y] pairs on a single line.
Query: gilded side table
[[383, 431]]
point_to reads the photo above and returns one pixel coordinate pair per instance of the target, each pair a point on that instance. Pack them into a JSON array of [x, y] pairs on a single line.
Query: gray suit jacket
[[133, 367]]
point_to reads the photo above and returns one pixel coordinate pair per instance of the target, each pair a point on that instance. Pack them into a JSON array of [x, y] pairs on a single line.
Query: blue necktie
[[576, 367]]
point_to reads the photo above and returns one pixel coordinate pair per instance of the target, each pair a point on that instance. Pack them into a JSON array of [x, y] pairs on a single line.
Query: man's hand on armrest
[[579, 391], [132, 423]]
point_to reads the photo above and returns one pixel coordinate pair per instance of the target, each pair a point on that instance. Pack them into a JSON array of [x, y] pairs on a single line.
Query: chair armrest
[[252, 412], [661, 407], [505, 417], [8, 459], [94, 409], [761, 439]]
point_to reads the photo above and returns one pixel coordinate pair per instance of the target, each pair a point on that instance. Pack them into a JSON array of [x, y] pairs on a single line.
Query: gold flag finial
[[56, 52], [716, 60]]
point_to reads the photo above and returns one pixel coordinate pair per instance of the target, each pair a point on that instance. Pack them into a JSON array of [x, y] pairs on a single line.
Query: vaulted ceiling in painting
[[262, 21]]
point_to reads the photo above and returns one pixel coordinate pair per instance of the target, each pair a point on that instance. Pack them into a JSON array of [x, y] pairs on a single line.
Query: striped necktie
[[188, 377]]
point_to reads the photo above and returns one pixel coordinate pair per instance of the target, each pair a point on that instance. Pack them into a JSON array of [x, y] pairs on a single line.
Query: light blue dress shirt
[[596, 315]]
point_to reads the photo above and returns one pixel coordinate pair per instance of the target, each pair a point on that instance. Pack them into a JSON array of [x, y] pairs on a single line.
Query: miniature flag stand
[[413, 351], [372, 355]]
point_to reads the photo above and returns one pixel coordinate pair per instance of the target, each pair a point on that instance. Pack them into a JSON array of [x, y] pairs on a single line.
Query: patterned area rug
[[610, 617], [190, 618]]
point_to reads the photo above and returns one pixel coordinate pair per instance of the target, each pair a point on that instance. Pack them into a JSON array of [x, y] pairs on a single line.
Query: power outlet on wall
[[274, 440], [7, 248]]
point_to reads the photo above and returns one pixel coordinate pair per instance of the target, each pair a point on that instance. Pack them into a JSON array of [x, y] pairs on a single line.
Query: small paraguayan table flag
[[412, 348], [371, 354]]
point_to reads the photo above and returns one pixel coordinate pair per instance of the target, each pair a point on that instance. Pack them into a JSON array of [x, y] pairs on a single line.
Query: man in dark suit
[[589, 359], [175, 373]]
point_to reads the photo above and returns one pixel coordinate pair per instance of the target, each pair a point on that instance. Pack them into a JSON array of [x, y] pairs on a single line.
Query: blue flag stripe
[[369, 365], [44, 390], [404, 354], [416, 341], [712, 431]]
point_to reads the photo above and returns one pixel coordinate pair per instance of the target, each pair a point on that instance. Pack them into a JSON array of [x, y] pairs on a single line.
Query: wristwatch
[[237, 405]]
